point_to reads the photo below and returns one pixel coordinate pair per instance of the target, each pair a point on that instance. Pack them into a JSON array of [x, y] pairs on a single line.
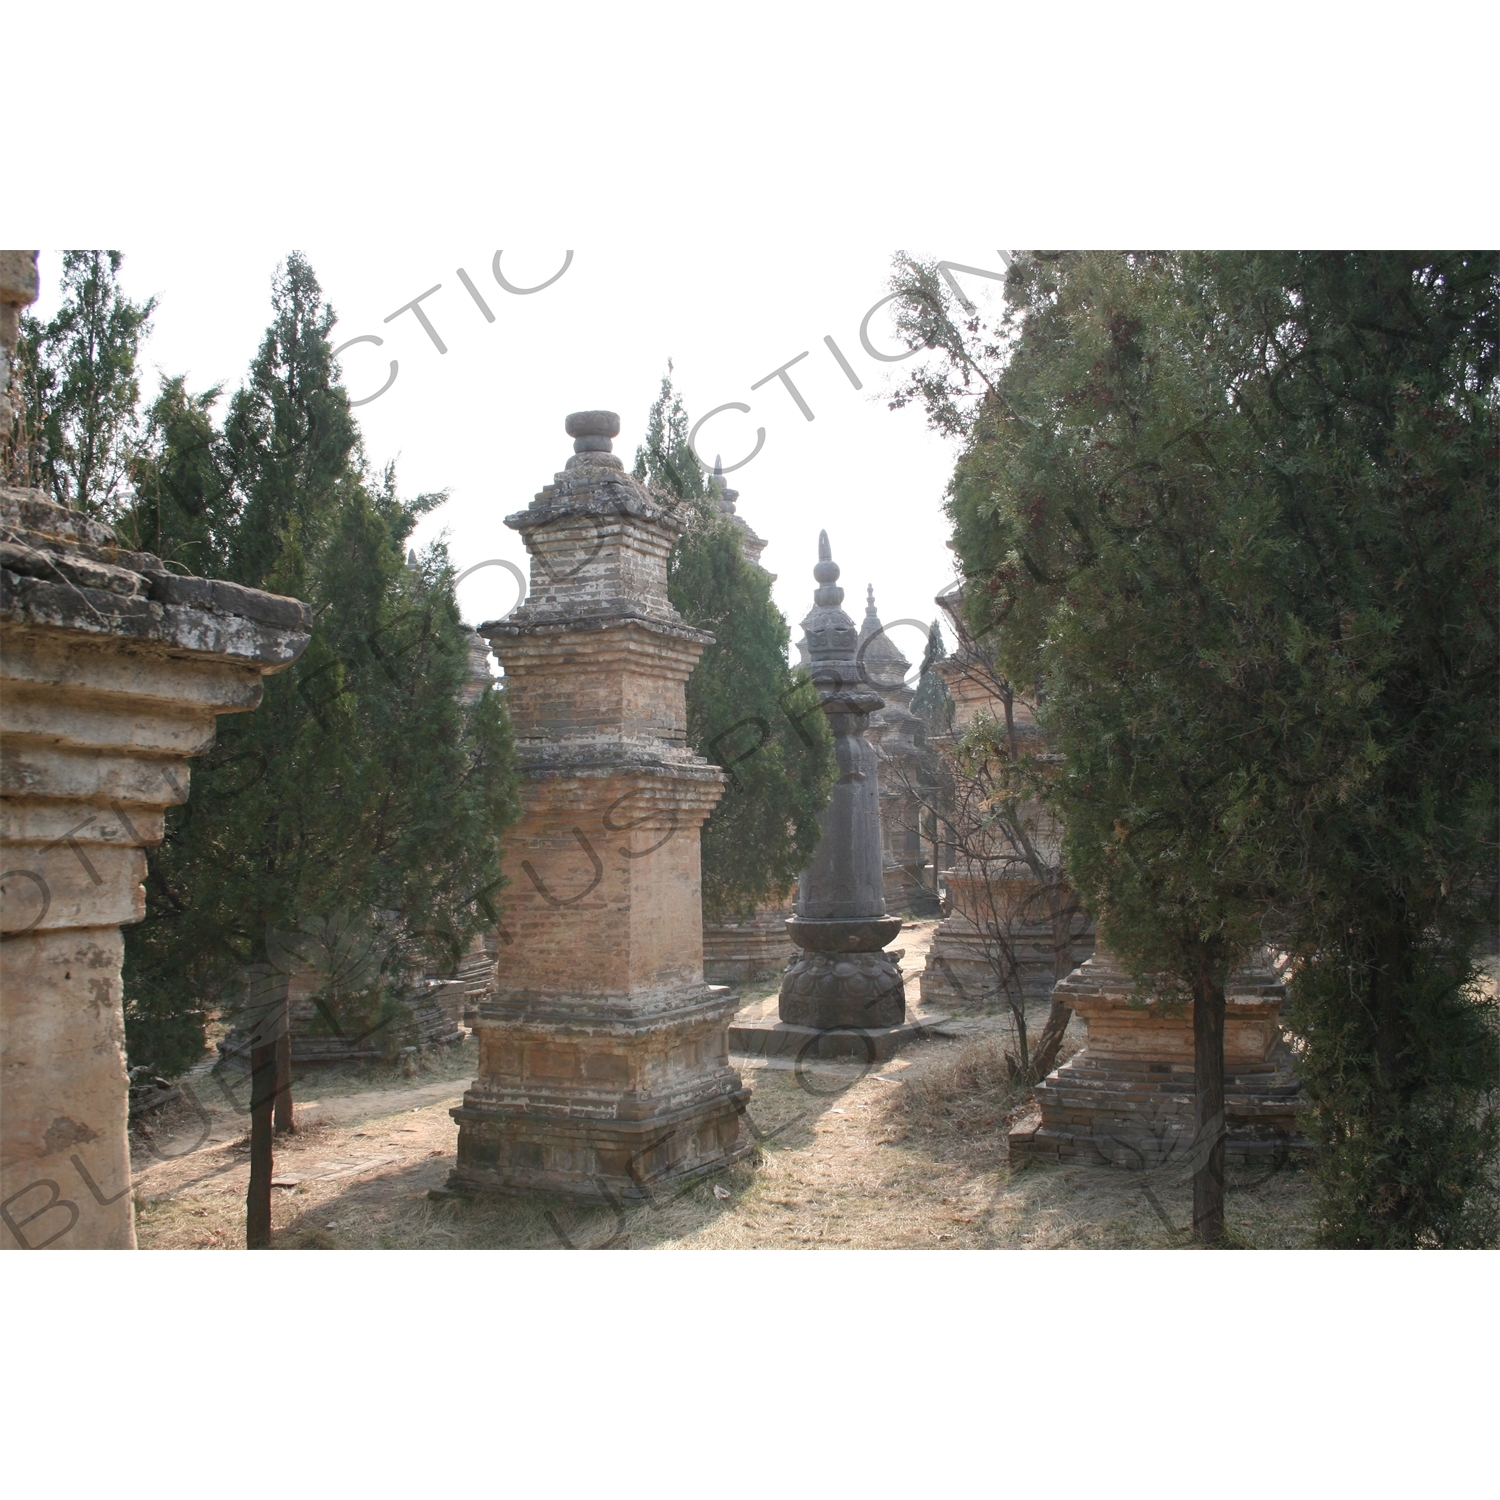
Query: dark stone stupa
[[843, 995]]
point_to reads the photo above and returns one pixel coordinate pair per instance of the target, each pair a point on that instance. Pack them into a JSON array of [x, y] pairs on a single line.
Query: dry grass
[[969, 1097], [910, 1155]]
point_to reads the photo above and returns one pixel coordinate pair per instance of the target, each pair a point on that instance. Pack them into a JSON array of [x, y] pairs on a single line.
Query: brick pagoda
[[603, 1063]]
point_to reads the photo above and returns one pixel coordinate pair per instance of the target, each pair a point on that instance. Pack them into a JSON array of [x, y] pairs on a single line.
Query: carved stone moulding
[[831, 990]]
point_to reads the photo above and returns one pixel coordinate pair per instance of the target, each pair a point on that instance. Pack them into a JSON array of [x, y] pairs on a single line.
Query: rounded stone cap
[[605, 424]]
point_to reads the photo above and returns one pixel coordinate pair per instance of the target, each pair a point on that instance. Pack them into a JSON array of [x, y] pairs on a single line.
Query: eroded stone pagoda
[[603, 1061], [1009, 934]]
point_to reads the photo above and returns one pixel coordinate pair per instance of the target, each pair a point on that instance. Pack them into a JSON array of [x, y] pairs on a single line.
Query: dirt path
[[910, 1154]]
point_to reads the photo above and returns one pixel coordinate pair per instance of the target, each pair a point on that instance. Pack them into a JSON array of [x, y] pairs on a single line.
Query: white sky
[[485, 419]]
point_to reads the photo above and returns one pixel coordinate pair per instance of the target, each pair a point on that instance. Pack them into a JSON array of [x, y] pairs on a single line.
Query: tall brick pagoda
[[603, 1060]]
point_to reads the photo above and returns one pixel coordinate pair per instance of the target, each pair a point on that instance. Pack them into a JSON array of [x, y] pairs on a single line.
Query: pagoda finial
[[828, 594], [870, 600], [591, 431], [727, 496]]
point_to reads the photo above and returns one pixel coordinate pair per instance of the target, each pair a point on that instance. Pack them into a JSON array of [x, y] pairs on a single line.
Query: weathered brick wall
[[605, 908], [621, 685]]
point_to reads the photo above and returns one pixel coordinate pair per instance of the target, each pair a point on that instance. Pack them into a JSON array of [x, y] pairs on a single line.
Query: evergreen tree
[[1377, 412], [1224, 508], [932, 703], [363, 795], [747, 710], [181, 510], [80, 386]]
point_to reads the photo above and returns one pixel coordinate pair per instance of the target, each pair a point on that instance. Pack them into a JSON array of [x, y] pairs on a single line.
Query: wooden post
[[262, 1102]]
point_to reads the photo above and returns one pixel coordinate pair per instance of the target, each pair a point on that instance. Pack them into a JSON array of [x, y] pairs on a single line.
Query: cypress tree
[[80, 386], [1225, 508], [363, 799], [932, 703]]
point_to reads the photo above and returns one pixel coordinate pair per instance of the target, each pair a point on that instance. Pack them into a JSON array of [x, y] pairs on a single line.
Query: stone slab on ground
[[768, 1038]]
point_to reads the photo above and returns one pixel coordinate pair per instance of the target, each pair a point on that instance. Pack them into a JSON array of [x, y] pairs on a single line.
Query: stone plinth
[[739, 953], [1127, 1098], [112, 670], [807, 1044], [960, 971], [603, 1059]]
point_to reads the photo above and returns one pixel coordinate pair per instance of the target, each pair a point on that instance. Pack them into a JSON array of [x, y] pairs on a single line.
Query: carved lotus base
[[827, 990]]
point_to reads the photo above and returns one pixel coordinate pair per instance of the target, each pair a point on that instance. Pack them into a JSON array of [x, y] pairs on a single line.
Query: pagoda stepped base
[[743, 952], [1140, 1115], [1126, 1100]]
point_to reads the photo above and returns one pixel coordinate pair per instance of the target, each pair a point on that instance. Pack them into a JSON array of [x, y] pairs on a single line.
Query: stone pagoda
[[1127, 1098], [603, 1062], [844, 995], [1046, 931], [892, 730]]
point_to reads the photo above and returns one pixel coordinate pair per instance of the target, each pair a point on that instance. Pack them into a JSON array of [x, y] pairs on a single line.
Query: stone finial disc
[[605, 424]]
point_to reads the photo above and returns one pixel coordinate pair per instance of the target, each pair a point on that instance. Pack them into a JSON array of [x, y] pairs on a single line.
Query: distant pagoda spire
[[751, 545]]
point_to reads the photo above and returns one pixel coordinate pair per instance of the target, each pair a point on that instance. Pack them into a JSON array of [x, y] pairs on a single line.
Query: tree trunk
[[262, 1104], [283, 1110], [1208, 1113], [1050, 1041], [1044, 1059], [1387, 977]]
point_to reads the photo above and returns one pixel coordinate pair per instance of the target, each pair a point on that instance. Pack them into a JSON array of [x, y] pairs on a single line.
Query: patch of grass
[[330, 1080], [970, 1096], [912, 1156]]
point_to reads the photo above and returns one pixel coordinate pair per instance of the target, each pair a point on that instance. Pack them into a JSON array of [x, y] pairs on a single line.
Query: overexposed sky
[[485, 418]]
